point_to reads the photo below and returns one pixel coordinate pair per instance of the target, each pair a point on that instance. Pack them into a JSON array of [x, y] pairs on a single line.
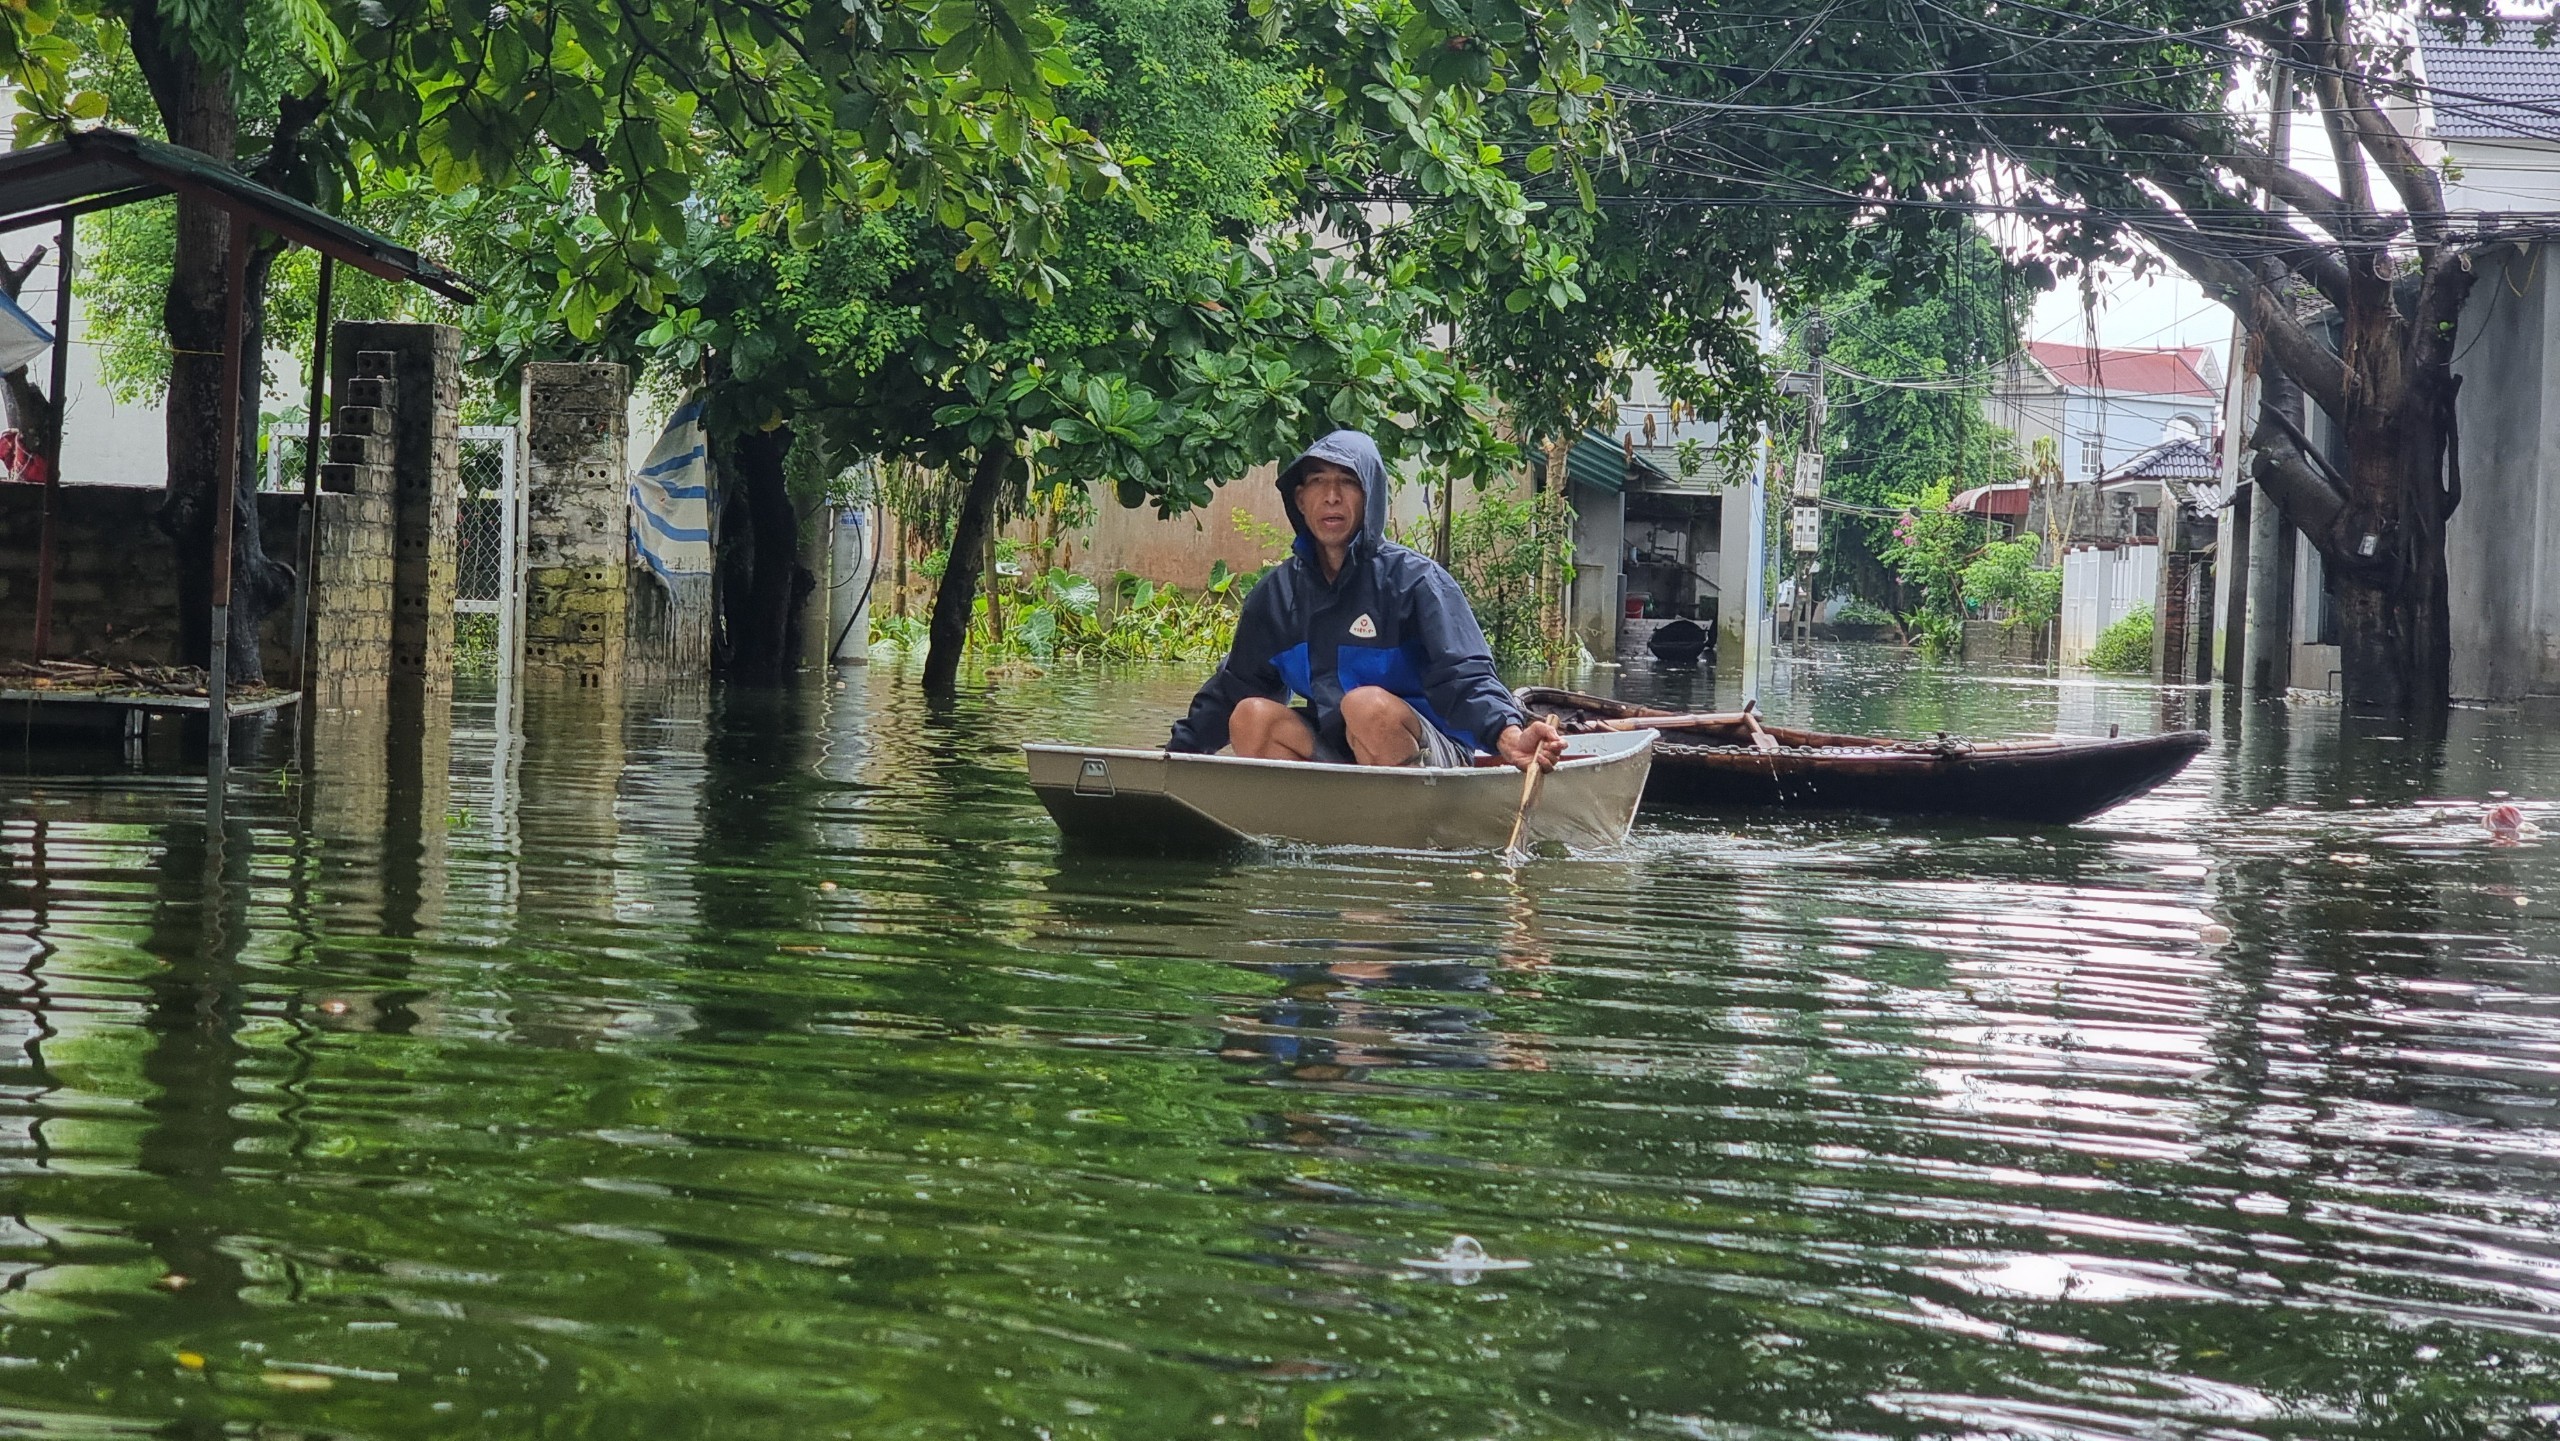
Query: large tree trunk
[[958, 593], [2385, 549], [199, 111], [765, 582]]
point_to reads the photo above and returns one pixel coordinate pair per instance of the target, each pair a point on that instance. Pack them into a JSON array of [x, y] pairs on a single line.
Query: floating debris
[[1464, 1261], [2506, 824]]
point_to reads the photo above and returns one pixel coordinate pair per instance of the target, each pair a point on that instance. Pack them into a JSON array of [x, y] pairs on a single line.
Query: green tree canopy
[[1915, 346]]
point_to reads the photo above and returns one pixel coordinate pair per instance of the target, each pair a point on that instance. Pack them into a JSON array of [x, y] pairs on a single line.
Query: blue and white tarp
[[671, 498], [21, 339]]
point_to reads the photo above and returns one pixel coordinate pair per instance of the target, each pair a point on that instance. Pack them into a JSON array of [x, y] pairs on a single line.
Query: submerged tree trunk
[[764, 581], [2386, 547], [958, 592]]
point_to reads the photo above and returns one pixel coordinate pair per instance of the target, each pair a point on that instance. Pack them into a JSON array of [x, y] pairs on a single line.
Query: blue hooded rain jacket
[[1392, 618]]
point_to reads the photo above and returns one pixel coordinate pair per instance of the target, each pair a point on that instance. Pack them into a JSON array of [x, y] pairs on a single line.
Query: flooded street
[[719, 1065]]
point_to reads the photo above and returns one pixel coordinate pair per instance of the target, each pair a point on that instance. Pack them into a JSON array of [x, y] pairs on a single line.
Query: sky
[[2156, 311]]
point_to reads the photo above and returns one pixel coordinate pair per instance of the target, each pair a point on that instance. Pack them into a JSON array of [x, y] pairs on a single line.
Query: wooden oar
[[1657, 722], [1520, 823], [1760, 736]]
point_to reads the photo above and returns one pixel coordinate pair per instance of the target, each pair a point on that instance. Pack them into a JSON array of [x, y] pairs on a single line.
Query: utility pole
[[1805, 521], [2267, 646]]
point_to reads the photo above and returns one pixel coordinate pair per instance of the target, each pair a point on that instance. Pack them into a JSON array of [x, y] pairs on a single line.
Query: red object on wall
[[19, 460]]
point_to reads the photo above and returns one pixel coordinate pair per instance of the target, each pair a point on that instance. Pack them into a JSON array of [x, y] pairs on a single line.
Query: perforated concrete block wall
[[577, 539]]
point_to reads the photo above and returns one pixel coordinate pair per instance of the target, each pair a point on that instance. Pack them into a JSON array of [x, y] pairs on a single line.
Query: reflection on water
[[688, 1063]]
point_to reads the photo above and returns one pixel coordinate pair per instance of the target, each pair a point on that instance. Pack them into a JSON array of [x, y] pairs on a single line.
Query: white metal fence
[[2101, 587], [488, 539]]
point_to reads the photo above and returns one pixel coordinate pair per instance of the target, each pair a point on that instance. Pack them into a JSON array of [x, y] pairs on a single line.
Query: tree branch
[[2409, 174], [2444, 284], [2282, 470], [2327, 20], [2264, 310], [2330, 212], [2283, 245]]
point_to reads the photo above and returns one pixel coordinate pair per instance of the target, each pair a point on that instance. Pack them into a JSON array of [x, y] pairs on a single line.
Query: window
[[2093, 457]]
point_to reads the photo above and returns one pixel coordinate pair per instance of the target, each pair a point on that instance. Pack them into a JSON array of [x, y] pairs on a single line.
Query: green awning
[[1600, 461]]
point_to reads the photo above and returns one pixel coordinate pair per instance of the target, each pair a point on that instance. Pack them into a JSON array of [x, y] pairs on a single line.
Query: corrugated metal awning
[[101, 169], [1602, 462]]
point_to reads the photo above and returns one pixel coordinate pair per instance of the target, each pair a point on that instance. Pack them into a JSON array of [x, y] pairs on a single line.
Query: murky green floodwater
[[561, 1096]]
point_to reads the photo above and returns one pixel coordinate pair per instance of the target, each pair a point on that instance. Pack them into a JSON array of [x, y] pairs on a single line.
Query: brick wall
[[382, 582], [351, 604], [115, 577], [416, 371]]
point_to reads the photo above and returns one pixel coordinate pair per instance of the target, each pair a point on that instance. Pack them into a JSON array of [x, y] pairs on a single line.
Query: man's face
[[1329, 502]]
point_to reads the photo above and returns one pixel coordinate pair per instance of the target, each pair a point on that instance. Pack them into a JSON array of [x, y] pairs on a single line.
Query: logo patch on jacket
[[1364, 627]]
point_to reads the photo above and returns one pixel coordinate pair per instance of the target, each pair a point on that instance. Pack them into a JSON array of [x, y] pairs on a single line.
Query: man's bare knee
[[1267, 730], [1382, 728]]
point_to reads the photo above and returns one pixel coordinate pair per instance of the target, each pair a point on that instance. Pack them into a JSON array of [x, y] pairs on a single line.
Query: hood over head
[[1356, 452]]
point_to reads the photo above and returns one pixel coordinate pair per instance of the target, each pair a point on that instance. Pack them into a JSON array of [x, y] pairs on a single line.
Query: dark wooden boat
[[1714, 762]]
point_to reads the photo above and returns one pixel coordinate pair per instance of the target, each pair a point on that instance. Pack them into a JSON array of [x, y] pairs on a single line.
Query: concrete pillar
[[852, 564], [420, 390], [351, 569], [382, 603], [577, 538], [2268, 666], [2231, 588], [1599, 551]]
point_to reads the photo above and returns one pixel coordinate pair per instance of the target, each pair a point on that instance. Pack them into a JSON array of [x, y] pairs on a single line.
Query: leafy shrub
[[1858, 610], [1937, 634], [1500, 547], [2004, 575], [2124, 647], [1060, 613], [1929, 547]]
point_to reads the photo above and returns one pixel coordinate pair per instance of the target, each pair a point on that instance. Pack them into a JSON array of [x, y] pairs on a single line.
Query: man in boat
[[1377, 639]]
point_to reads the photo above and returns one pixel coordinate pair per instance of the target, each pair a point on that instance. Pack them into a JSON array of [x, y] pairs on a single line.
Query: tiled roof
[[2182, 459], [2142, 372], [2504, 74]]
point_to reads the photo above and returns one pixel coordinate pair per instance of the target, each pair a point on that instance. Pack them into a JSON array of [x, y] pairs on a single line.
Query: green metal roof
[[1600, 461], [99, 169]]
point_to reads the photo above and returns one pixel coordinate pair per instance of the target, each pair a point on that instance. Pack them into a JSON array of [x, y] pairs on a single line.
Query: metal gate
[[488, 545]]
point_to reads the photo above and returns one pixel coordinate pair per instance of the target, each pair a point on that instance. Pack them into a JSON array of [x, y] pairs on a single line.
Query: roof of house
[[2143, 372], [2489, 83], [2184, 467], [2010, 498], [100, 169], [2184, 457], [1604, 463]]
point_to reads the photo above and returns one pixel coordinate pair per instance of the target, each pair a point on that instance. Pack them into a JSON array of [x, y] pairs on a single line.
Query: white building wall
[[2123, 425], [1599, 550], [2502, 547]]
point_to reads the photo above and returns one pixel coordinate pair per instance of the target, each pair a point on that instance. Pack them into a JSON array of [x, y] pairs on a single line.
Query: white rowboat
[[1166, 801]]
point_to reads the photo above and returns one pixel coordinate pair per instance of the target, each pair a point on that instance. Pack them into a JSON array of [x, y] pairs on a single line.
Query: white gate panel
[[489, 536], [2101, 587]]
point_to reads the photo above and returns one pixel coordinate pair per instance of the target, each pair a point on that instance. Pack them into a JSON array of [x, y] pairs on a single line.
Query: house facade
[[1663, 530], [2103, 406], [2502, 547]]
